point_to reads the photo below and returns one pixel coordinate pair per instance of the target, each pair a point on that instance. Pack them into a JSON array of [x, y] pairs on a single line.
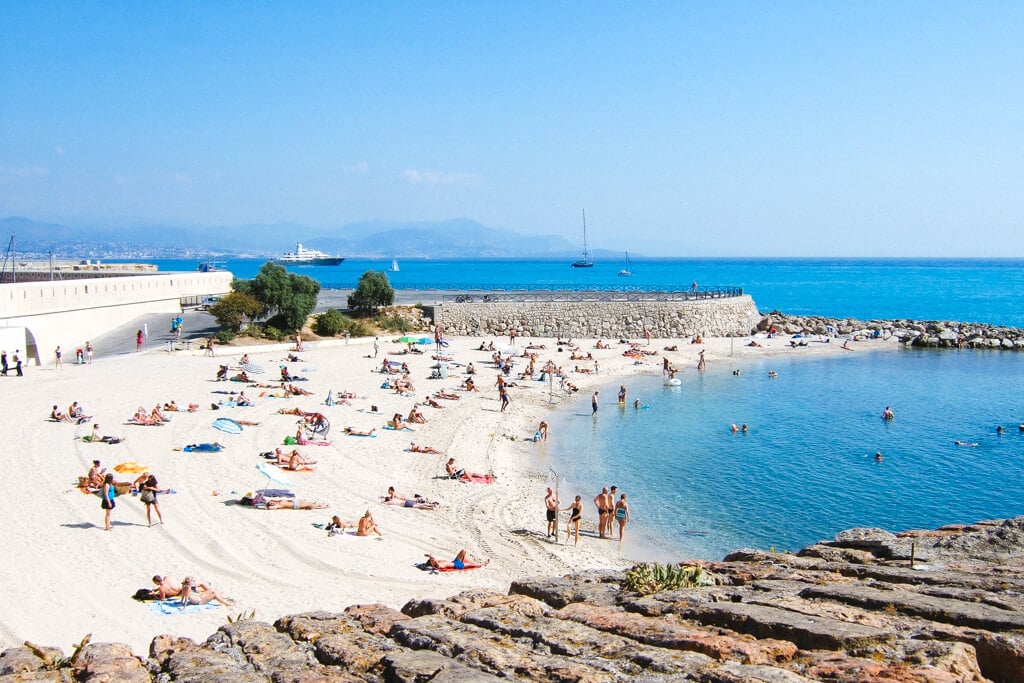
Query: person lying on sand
[[414, 448], [142, 417], [447, 395], [429, 401], [367, 526], [293, 390], [417, 501], [240, 377], [336, 526], [200, 593], [462, 475], [459, 563], [292, 461], [356, 432], [165, 588], [294, 504], [469, 385]]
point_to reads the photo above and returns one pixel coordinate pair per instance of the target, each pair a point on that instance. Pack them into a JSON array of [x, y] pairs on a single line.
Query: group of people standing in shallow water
[[609, 511]]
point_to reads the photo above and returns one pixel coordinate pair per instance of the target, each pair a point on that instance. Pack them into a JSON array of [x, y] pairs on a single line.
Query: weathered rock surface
[[853, 608], [936, 334]]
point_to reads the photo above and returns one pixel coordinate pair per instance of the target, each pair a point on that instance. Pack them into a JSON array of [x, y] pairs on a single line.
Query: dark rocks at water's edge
[[943, 605], [924, 334]]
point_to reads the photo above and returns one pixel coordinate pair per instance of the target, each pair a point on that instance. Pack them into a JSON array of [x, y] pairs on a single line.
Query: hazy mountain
[[457, 238]]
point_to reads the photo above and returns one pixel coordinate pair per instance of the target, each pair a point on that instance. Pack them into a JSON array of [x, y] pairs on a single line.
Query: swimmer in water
[[999, 429], [878, 457], [968, 444], [887, 414], [734, 428], [636, 404]]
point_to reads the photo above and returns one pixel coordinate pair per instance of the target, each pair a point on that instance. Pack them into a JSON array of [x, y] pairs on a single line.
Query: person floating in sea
[[887, 414], [878, 457]]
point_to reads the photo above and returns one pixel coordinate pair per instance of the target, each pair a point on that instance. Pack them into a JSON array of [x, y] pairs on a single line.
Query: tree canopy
[[233, 308], [373, 291], [286, 296]]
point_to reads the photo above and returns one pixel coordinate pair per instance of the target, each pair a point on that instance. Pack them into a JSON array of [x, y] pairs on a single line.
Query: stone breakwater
[[724, 317], [944, 605], [927, 334]]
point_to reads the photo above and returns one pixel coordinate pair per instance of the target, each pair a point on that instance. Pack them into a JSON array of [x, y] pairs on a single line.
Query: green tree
[[372, 292], [233, 307], [329, 323], [288, 297]]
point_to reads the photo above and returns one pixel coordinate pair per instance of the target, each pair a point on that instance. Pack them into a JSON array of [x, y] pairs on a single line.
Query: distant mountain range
[[457, 238]]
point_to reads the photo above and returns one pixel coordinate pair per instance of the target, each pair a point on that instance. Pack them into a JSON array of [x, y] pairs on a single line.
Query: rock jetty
[[927, 334], [944, 605]]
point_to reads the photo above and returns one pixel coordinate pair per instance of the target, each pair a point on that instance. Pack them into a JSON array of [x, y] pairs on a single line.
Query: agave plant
[[651, 577], [242, 616]]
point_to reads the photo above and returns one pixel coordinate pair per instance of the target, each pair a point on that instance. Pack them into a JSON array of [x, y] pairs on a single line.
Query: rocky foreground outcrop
[[944, 605], [927, 334]]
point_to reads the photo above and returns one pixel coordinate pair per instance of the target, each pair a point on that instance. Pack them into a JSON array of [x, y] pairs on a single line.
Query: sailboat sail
[[628, 269], [586, 261], [394, 265]]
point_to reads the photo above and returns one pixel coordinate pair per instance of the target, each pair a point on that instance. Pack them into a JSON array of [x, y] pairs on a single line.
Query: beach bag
[[148, 496]]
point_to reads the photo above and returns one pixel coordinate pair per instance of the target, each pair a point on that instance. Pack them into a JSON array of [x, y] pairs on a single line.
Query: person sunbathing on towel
[[240, 377], [432, 403], [293, 411], [199, 593], [447, 395], [398, 423], [337, 526], [292, 461], [285, 503], [95, 436], [171, 407], [367, 526], [296, 391], [165, 588], [156, 416], [462, 475], [469, 385], [414, 448], [416, 416], [57, 416], [459, 563], [142, 417], [356, 432]]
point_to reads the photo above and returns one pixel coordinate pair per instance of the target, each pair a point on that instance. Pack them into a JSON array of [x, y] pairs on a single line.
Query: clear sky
[[683, 128]]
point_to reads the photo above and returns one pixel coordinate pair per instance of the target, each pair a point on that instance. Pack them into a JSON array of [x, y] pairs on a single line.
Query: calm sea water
[[975, 290], [806, 468]]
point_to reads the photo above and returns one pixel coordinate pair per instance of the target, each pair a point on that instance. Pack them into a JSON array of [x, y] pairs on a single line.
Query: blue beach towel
[[172, 606]]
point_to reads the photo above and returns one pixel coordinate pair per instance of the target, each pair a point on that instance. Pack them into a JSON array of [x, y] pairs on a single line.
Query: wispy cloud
[[181, 179], [439, 177], [23, 171]]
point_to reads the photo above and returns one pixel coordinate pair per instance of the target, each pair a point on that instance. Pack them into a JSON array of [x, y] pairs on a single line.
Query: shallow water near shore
[[806, 468]]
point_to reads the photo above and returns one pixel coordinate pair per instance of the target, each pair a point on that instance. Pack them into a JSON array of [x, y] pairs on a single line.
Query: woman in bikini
[[459, 563], [575, 515]]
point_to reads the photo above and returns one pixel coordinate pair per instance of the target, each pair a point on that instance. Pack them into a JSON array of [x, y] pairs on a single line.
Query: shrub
[[224, 336], [329, 323], [393, 323], [274, 334], [292, 297], [652, 577]]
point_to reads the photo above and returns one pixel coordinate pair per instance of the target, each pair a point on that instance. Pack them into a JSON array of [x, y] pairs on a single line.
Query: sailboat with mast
[[627, 270], [394, 265], [586, 261]]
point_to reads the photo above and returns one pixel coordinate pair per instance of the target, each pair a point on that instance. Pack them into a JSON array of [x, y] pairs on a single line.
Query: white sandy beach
[[64, 576]]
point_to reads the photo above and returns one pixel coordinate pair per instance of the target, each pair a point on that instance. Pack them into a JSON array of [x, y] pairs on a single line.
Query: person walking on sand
[[59, 355], [138, 340], [593, 404], [575, 515], [503, 393], [89, 351], [17, 365], [107, 494], [551, 503], [622, 514]]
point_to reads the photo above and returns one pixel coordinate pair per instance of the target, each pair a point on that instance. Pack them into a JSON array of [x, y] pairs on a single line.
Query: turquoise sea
[[806, 468]]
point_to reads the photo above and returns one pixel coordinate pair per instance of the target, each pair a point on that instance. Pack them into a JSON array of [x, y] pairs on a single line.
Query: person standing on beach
[[647, 335], [89, 351], [621, 514], [575, 516], [17, 365], [701, 364], [609, 505], [149, 490], [376, 346], [59, 355], [602, 511], [138, 340], [593, 404], [551, 503], [503, 394], [3, 364], [512, 337], [107, 494]]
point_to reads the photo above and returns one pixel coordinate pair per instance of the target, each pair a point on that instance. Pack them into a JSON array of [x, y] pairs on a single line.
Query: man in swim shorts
[[551, 503], [593, 404], [602, 511]]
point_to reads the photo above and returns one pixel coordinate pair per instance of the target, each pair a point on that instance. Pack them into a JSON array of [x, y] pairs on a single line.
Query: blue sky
[[693, 129]]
